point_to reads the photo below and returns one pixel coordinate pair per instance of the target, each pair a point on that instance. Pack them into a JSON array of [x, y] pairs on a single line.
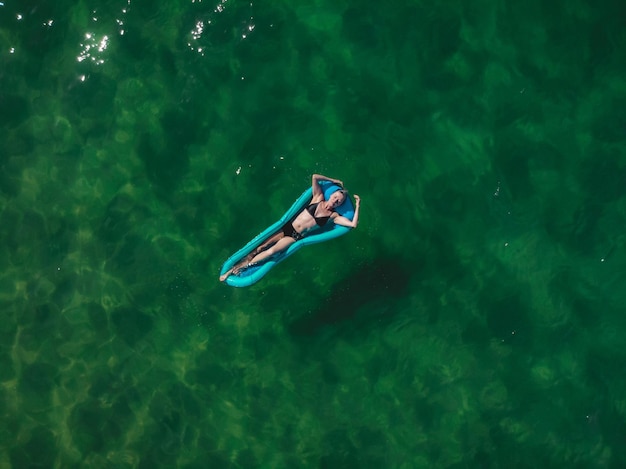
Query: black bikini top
[[321, 221]]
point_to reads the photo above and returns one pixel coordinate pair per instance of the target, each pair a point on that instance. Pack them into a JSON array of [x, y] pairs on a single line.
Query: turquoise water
[[475, 318]]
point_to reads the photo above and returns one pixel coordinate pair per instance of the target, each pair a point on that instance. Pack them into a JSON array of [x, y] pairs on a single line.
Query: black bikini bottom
[[289, 230]]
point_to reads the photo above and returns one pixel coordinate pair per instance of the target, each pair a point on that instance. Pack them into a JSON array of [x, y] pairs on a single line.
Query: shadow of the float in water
[[360, 301]]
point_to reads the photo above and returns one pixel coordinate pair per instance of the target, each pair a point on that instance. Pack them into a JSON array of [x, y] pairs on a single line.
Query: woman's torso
[[311, 217]]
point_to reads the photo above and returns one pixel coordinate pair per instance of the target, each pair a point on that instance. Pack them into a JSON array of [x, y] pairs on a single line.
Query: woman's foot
[[223, 277], [244, 264], [236, 270]]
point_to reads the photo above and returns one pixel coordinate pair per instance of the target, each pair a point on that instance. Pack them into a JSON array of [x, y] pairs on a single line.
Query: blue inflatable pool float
[[253, 274]]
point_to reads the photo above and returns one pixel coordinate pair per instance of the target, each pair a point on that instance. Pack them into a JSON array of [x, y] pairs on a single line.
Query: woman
[[316, 214]]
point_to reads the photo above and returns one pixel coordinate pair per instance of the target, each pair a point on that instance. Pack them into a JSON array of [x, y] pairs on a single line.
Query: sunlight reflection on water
[[200, 26]]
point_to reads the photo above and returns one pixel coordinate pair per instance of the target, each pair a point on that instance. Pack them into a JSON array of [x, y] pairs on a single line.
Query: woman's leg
[[251, 258], [282, 244], [248, 259], [272, 240]]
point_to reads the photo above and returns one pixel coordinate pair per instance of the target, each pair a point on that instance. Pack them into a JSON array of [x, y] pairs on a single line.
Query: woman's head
[[338, 197]]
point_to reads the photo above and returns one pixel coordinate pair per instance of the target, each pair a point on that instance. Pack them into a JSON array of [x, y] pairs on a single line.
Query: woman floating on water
[[315, 215]]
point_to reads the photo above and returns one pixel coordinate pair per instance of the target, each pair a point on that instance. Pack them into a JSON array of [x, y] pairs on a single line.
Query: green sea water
[[475, 318]]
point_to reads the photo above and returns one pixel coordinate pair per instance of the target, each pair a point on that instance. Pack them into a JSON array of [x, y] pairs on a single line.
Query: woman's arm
[[317, 190], [343, 221]]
